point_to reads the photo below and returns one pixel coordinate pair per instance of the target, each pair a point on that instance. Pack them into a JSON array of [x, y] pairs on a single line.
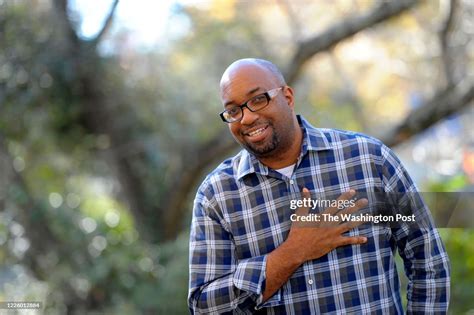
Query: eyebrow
[[247, 94]]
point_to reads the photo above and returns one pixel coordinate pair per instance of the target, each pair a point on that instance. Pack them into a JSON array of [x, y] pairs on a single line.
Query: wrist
[[293, 253]]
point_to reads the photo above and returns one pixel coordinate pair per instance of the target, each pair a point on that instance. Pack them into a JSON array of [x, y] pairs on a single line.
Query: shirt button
[[310, 281], [292, 182]]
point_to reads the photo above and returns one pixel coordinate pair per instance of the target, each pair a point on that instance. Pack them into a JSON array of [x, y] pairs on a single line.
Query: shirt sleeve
[[218, 282], [425, 259]]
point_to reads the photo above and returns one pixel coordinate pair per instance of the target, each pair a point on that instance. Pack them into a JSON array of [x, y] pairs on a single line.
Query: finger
[[344, 196], [305, 193], [352, 240], [337, 219], [302, 211], [359, 204], [350, 225], [346, 226]]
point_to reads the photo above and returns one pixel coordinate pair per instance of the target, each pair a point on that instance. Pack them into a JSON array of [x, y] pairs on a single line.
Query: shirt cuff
[[250, 276]]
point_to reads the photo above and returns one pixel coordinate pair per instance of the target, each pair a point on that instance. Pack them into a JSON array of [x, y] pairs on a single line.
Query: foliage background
[[103, 140]]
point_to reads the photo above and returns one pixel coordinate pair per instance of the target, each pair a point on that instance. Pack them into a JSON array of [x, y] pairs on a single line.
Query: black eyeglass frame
[[269, 95]]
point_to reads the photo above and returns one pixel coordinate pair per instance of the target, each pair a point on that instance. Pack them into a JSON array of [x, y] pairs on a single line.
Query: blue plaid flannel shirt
[[241, 214]]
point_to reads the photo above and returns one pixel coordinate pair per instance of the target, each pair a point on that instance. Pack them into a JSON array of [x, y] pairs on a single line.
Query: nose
[[248, 116]]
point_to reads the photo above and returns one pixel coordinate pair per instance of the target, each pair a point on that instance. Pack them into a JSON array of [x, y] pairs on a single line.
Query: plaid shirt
[[241, 213]]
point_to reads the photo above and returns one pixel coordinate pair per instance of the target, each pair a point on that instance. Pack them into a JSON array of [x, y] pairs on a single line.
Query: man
[[246, 254]]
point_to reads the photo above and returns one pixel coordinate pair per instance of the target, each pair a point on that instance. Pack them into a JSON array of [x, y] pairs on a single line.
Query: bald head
[[252, 64]]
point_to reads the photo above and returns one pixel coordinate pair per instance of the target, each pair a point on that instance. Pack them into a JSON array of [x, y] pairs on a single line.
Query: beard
[[276, 144], [265, 149]]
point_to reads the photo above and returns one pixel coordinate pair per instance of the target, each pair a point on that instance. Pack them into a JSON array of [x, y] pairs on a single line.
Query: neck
[[287, 157]]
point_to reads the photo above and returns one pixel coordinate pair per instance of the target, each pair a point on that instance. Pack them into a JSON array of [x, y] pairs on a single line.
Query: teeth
[[256, 132]]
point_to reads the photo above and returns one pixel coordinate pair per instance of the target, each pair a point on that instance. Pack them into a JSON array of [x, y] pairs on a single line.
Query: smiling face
[[270, 133]]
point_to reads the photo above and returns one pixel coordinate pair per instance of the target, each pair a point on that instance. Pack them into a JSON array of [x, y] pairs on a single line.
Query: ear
[[288, 94]]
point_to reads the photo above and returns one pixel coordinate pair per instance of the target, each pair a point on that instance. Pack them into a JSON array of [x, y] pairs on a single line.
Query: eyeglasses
[[254, 104]]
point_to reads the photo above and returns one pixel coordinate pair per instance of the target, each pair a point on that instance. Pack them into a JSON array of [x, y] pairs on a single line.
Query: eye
[[259, 100], [234, 111]]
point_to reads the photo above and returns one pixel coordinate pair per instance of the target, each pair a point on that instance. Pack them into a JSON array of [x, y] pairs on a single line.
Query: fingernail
[[364, 239], [352, 192]]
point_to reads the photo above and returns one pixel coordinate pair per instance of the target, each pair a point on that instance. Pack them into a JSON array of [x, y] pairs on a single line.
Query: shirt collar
[[249, 164], [313, 140]]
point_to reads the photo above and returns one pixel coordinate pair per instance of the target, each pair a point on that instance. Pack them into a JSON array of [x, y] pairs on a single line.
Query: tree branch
[[293, 21], [341, 31], [443, 104], [444, 35], [349, 92], [97, 114], [176, 200], [107, 24], [65, 22]]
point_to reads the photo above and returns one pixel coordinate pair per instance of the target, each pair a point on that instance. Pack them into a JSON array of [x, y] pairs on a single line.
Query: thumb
[[302, 211]]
